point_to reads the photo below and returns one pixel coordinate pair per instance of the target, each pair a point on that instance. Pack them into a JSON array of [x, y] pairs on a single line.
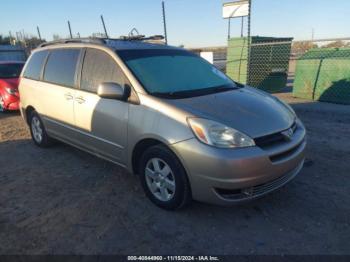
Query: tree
[[5, 40], [33, 42], [98, 35], [56, 37], [302, 47], [337, 44]]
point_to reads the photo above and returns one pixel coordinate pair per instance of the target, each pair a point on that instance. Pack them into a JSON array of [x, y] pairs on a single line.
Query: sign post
[[240, 8], [249, 39], [229, 29], [234, 10]]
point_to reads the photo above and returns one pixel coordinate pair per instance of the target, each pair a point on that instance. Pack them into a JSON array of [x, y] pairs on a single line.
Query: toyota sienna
[[164, 113]]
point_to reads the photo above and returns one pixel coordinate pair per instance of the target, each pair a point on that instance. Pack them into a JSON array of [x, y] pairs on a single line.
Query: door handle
[[80, 99], [68, 96]]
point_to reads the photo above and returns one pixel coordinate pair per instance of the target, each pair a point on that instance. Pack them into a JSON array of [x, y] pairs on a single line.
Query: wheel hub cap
[[36, 129], [160, 179]]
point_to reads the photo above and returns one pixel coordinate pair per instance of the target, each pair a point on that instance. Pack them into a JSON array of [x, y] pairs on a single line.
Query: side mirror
[[113, 91]]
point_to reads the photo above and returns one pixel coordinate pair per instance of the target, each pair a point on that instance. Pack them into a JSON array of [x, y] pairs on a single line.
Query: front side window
[[99, 67], [175, 73], [61, 66], [12, 70], [35, 65]]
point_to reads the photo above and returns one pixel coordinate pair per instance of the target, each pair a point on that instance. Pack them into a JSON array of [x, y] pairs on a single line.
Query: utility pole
[[164, 23], [10, 34], [104, 26], [242, 24], [37, 28], [70, 30], [18, 36]]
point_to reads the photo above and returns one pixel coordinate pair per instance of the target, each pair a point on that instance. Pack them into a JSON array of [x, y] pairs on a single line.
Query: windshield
[[175, 73], [10, 70]]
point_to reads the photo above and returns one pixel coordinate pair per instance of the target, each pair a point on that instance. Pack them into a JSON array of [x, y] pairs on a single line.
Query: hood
[[10, 82], [248, 110]]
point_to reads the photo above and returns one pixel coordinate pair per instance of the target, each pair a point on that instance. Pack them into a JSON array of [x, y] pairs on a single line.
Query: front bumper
[[228, 176], [13, 106]]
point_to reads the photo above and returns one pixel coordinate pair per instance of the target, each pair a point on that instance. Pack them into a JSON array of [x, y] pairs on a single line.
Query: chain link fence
[[321, 70], [317, 70]]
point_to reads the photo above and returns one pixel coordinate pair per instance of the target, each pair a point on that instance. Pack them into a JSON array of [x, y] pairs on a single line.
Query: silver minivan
[[164, 113]]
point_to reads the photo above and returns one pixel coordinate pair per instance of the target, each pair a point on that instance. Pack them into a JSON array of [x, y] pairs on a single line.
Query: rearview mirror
[[113, 91]]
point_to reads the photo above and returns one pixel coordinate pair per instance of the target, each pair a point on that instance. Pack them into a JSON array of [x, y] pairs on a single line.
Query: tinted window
[[35, 64], [10, 70], [175, 72], [99, 67], [61, 66]]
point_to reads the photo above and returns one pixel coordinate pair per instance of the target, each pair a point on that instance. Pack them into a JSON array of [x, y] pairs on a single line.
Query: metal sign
[[209, 56], [235, 9]]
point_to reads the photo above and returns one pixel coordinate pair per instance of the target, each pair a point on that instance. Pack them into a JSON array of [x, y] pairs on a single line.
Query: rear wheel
[[164, 179], [38, 132]]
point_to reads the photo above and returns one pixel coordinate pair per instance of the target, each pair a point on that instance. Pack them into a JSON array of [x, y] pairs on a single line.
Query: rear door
[[58, 89], [102, 123]]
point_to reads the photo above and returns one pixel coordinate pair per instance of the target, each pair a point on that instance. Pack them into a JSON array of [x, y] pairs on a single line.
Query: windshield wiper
[[196, 92]]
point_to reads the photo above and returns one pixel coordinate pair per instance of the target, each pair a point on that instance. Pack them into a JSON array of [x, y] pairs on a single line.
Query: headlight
[[11, 91], [216, 134]]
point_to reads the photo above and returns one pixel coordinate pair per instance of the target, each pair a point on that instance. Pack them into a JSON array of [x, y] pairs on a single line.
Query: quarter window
[[61, 66], [99, 67], [35, 65]]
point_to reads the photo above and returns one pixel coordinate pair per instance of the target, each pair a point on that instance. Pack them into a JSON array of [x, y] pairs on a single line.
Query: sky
[[193, 23]]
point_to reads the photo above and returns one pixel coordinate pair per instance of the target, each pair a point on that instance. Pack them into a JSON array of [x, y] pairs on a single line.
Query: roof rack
[[100, 41], [103, 41]]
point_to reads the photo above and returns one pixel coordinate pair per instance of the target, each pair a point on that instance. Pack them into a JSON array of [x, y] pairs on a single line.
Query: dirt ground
[[64, 201]]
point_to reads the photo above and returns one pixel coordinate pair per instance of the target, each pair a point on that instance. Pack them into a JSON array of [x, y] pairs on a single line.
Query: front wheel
[[164, 179], [38, 132]]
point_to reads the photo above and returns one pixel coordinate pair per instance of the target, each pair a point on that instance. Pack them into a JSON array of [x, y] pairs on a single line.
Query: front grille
[[283, 155], [259, 190], [273, 139]]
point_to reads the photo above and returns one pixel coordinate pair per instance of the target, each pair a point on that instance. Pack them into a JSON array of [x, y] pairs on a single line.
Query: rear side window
[[35, 65], [61, 66], [99, 67]]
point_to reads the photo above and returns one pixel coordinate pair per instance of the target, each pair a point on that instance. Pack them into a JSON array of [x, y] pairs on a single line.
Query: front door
[[102, 123]]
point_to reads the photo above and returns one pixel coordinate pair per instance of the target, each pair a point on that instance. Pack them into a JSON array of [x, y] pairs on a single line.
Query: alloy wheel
[[160, 179], [37, 129]]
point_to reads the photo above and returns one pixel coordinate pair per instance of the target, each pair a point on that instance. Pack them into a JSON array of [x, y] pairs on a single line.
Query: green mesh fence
[[236, 60], [269, 61], [324, 74]]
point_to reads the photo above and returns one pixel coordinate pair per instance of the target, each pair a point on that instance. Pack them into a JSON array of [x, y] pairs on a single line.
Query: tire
[[164, 179], [38, 132]]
